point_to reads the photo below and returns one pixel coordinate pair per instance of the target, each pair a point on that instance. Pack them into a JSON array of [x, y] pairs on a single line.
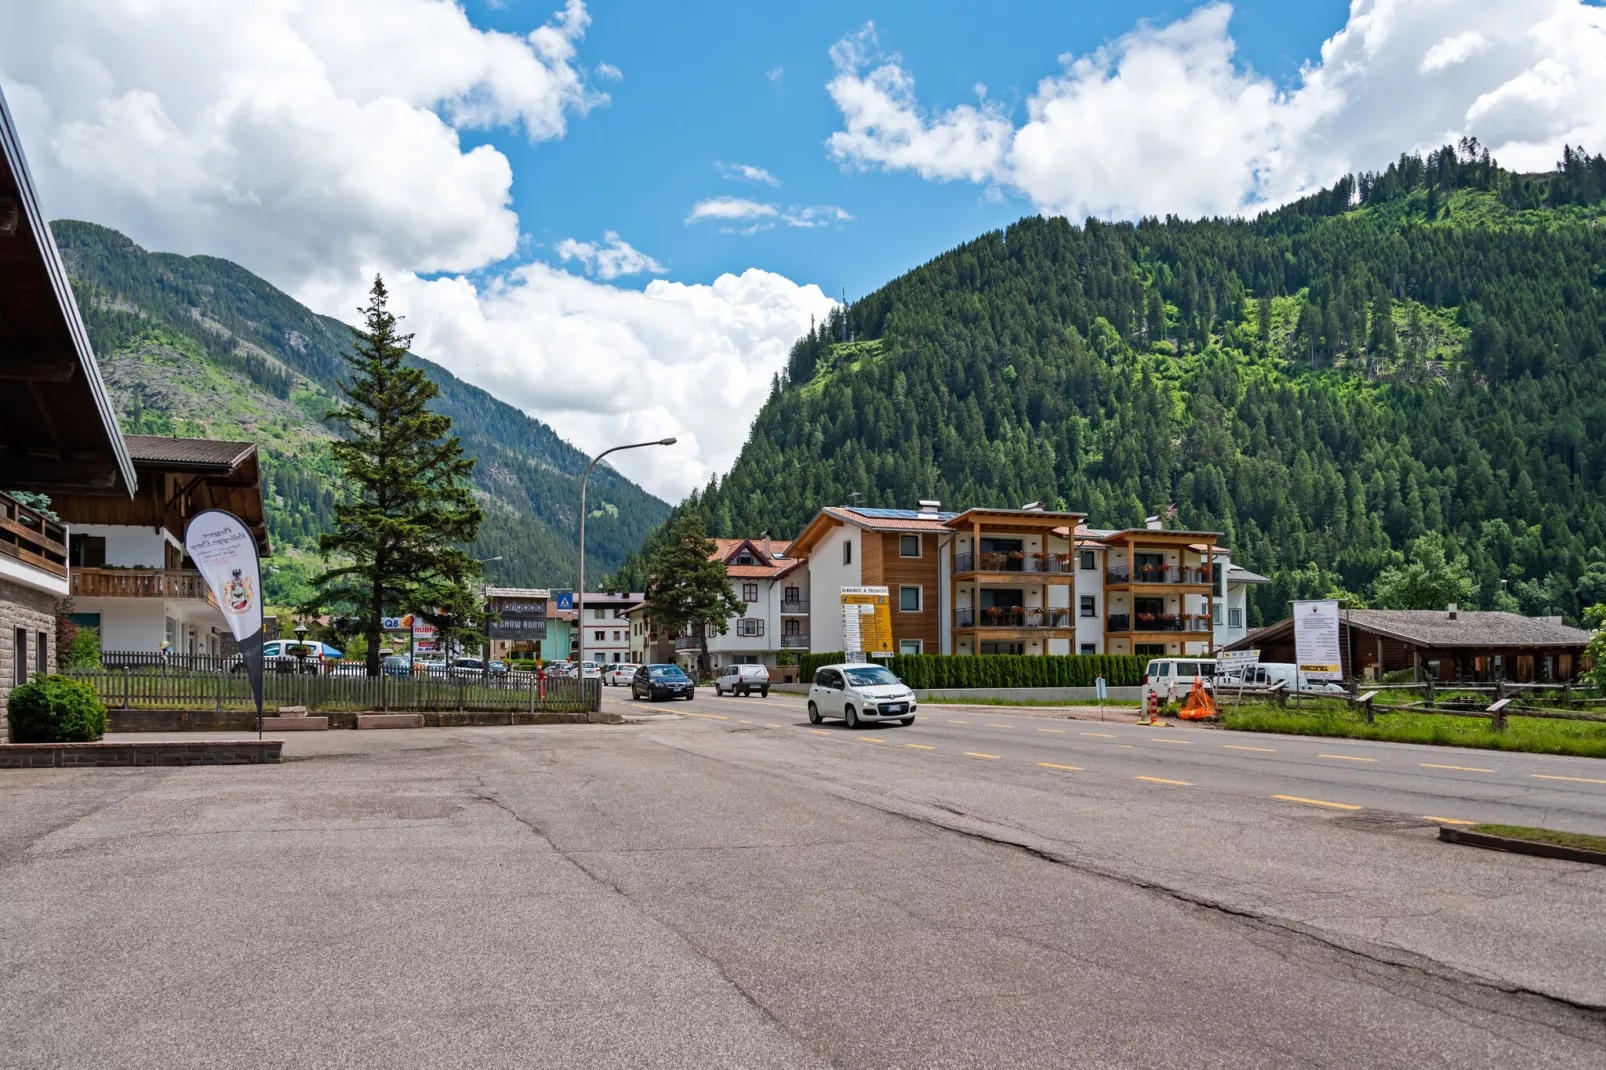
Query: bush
[[54, 709], [83, 652], [925, 671]]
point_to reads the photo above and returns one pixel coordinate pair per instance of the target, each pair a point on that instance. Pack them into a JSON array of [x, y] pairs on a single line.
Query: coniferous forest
[[1412, 351]]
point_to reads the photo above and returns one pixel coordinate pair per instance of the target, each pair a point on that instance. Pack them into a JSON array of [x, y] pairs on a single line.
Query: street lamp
[[580, 595], [485, 593]]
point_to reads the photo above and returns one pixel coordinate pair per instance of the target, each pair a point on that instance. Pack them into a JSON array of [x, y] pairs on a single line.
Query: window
[[599, 614], [750, 592], [601, 637], [792, 594], [745, 558], [86, 551], [617, 636], [909, 646], [847, 551], [1149, 649], [792, 626], [1003, 648], [1089, 649], [1090, 605], [1215, 575], [1215, 613], [616, 658], [41, 653], [908, 546], [909, 599], [1087, 561], [19, 657], [750, 626], [1235, 618]]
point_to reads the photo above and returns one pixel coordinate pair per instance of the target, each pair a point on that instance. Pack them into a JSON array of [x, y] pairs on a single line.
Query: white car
[[743, 680], [590, 670], [860, 694], [620, 675]]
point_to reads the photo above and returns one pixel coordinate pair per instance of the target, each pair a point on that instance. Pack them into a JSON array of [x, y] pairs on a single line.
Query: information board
[[521, 618], [1316, 644], [866, 621], [1233, 659]]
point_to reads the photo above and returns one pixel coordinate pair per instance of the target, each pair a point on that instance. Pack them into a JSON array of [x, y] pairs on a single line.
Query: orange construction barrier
[[1199, 705], [1153, 710]]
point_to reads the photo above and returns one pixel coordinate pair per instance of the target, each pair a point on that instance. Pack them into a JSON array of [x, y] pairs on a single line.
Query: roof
[[775, 565], [58, 432], [1239, 574], [1434, 628], [518, 592], [1164, 535], [892, 520], [1032, 518], [189, 454]]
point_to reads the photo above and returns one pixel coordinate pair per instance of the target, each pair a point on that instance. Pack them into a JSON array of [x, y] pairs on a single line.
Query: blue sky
[[696, 92]]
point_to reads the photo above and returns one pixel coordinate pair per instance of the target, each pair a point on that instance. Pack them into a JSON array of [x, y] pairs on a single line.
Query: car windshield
[[870, 676], [668, 672]]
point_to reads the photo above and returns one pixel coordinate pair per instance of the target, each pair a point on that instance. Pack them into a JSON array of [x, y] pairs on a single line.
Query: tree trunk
[[375, 614], [702, 663]]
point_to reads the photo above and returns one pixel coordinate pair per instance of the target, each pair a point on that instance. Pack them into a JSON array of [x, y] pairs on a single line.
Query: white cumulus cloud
[[1165, 119], [612, 258], [759, 215], [748, 173]]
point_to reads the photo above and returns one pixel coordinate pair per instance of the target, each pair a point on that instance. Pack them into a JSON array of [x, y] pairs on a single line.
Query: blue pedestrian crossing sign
[[565, 601]]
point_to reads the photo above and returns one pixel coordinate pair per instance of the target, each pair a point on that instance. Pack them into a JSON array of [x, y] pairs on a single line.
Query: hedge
[[1000, 670], [54, 709]]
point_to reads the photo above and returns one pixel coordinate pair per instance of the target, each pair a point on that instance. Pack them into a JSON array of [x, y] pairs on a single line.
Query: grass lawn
[[1321, 718], [1555, 836]]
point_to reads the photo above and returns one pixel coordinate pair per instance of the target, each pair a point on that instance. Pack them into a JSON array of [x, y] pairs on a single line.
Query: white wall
[[1090, 629], [128, 623], [827, 577], [129, 546]]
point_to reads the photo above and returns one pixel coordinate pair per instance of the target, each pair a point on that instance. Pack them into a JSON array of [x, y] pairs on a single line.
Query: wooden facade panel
[[898, 571]]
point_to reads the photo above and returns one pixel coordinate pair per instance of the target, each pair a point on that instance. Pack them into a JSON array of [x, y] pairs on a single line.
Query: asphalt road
[[741, 889]]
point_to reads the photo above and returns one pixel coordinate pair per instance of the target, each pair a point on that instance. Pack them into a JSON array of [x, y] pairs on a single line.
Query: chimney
[[928, 509], [769, 555], [1451, 612], [1152, 523]]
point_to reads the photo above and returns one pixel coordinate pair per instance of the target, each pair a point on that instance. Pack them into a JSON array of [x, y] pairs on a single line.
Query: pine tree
[[689, 588], [407, 497]]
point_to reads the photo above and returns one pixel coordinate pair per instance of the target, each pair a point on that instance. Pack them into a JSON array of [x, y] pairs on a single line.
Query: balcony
[[794, 606], [30, 538], [1193, 623], [794, 642], [139, 583], [1013, 617], [1123, 574], [688, 642], [1016, 561]]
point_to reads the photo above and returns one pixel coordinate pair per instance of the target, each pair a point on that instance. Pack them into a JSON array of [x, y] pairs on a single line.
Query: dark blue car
[[661, 681]]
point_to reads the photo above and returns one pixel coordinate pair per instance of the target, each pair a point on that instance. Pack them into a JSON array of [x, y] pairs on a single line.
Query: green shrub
[[83, 652], [54, 709]]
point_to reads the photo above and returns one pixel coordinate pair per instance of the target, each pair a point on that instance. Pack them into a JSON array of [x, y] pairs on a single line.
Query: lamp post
[[580, 594], [485, 593]]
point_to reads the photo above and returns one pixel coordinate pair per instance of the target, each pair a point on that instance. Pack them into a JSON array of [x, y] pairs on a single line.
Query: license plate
[[896, 708]]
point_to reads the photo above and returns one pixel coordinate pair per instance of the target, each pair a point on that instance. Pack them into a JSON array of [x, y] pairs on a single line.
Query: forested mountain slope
[[1413, 351], [199, 346]]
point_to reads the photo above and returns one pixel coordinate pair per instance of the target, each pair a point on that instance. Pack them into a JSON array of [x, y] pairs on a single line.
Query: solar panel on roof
[[899, 514]]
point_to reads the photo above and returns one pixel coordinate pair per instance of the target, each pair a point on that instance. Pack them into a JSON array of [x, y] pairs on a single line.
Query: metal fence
[[137, 689]]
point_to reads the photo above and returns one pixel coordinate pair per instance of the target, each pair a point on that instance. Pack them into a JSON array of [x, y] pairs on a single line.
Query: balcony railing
[[794, 605], [688, 642], [1014, 561], [1156, 574], [30, 538], [139, 583], [1159, 622], [1013, 617], [794, 642]]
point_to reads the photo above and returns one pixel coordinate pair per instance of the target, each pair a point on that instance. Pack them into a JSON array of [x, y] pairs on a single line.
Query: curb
[[1522, 847]]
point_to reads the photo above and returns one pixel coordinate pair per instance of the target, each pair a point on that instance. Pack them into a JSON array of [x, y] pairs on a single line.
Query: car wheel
[[907, 721], [850, 715], [814, 714], [691, 694], [765, 693], [718, 692]]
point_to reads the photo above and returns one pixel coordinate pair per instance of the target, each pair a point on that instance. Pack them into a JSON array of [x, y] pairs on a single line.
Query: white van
[[1271, 673], [1159, 674]]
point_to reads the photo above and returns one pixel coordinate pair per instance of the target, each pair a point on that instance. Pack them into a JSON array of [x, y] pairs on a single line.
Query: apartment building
[[602, 634], [772, 585], [1026, 581]]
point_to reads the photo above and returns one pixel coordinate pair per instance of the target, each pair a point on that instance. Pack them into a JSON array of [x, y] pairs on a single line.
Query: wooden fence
[[136, 689], [1445, 699]]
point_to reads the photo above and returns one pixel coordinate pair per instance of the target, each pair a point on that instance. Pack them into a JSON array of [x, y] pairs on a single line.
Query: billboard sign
[[521, 618], [866, 621], [1316, 643]]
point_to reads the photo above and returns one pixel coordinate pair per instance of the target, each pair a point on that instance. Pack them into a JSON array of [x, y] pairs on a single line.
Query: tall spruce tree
[[407, 499], [689, 588]]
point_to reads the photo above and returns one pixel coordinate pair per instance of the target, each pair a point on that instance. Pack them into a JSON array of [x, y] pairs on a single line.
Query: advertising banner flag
[[866, 621], [1316, 642], [225, 553]]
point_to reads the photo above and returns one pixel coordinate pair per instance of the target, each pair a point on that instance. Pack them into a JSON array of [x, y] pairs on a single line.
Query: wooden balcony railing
[[1014, 561], [30, 538], [1118, 574], [139, 583], [1013, 617]]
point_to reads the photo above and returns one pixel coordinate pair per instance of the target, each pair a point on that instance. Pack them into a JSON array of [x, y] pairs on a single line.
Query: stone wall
[[34, 611]]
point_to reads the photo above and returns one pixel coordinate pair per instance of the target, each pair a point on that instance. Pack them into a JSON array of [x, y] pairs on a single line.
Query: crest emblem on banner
[[237, 592]]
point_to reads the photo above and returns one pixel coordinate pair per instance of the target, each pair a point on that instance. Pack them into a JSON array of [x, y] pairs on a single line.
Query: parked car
[[621, 674], [743, 680], [476, 667], [276, 656], [1159, 674], [397, 665], [590, 670], [560, 669], [860, 694], [661, 681]]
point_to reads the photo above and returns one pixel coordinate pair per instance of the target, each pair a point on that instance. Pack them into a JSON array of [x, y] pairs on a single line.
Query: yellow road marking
[[1462, 768], [1056, 731], [710, 716], [958, 722], [1000, 726], [819, 731], [773, 726], [869, 739], [919, 746], [975, 754], [1126, 746], [744, 722], [1346, 758], [1263, 750], [1447, 820], [1051, 765], [1101, 735], [1579, 779], [1316, 802], [1162, 780], [1184, 742]]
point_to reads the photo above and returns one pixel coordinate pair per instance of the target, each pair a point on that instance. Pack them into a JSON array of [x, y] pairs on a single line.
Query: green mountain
[[1417, 350], [198, 346]]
